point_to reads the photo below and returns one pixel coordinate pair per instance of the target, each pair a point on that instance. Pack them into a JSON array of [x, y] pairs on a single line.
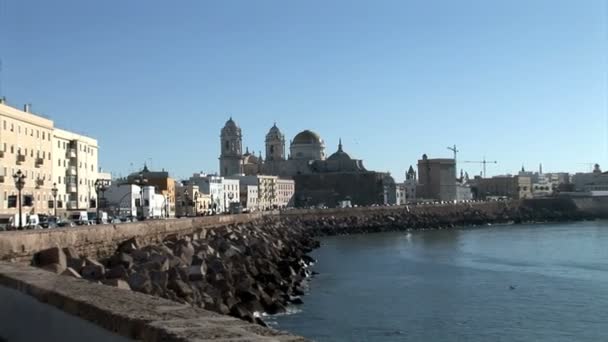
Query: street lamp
[[54, 191], [19, 178], [101, 185]]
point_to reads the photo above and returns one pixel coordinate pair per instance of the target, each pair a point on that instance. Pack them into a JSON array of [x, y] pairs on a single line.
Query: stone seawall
[[100, 241]]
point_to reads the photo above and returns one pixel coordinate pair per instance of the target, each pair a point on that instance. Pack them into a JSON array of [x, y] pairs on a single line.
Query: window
[[59, 180], [12, 128], [32, 132], [43, 135], [5, 130], [37, 134], [59, 162], [58, 144]]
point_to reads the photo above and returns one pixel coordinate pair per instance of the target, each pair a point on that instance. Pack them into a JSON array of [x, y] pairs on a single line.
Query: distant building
[[436, 179], [318, 180], [48, 157], [410, 184], [513, 187], [162, 183], [190, 201], [591, 181], [285, 190], [122, 199]]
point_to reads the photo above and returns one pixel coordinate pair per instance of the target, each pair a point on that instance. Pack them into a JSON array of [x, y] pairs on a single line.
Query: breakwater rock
[[238, 270], [433, 217]]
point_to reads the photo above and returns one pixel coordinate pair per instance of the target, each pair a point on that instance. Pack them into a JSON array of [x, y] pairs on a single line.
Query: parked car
[[80, 218]]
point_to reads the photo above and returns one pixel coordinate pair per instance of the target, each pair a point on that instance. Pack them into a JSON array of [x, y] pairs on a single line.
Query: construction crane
[[483, 162], [453, 149]]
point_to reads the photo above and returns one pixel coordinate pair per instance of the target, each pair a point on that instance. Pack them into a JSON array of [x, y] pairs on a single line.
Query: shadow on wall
[[26, 319]]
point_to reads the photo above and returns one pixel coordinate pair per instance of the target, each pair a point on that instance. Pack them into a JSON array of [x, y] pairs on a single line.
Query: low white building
[[154, 205], [232, 194], [249, 197], [122, 199]]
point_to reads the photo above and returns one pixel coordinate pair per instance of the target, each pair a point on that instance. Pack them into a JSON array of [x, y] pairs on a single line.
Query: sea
[[536, 282]]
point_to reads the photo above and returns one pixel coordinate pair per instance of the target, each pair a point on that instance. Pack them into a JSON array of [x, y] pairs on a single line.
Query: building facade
[[317, 178], [436, 180], [285, 191], [48, 157]]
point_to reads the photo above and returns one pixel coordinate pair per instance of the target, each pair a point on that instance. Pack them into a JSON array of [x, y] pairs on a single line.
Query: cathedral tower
[[231, 157], [275, 144]]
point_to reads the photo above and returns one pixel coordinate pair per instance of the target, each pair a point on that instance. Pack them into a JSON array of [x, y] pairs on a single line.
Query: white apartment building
[[285, 189], [232, 193], [75, 170], [31, 143]]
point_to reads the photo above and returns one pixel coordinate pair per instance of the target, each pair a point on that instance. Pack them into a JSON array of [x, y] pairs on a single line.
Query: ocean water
[[544, 282]]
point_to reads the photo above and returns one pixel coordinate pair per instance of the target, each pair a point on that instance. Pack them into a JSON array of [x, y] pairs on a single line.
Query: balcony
[[20, 158], [71, 153], [39, 183], [39, 162], [72, 205], [71, 171], [71, 188]]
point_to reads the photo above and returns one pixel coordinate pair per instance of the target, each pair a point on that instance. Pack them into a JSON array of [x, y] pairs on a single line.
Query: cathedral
[[318, 179]]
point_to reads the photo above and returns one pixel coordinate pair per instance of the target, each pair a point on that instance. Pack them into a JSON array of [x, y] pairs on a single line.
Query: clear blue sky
[[516, 81]]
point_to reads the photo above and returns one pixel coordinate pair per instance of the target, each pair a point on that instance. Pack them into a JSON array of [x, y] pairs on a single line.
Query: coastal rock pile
[[237, 270]]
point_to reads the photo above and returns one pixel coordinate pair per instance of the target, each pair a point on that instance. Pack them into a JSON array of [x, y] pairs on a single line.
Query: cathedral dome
[[340, 155], [307, 137]]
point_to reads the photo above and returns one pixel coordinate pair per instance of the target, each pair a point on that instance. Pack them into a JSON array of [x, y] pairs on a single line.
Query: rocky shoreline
[[240, 270], [247, 269]]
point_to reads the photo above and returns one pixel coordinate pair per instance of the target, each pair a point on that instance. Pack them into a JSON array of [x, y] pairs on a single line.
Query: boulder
[[119, 283], [129, 246], [196, 272], [240, 311], [159, 279], [93, 270], [71, 253], [50, 256], [117, 272], [55, 268], [123, 259], [76, 263], [70, 272], [185, 251], [140, 282], [140, 255], [181, 288]]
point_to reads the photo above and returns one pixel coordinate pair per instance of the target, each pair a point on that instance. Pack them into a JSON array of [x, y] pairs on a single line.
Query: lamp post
[[54, 191], [19, 178], [141, 181], [101, 185]]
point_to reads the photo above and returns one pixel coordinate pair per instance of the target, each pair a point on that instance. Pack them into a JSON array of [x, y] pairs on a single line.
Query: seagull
[[512, 287]]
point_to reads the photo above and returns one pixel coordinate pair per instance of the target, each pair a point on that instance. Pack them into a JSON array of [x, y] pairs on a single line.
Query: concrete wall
[[26, 319], [126, 313]]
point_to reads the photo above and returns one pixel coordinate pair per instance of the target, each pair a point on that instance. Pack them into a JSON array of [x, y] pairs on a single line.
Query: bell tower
[[231, 156], [275, 144]]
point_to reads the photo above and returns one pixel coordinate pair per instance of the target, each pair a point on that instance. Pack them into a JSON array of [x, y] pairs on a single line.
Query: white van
[[27, 221], [80, 218]]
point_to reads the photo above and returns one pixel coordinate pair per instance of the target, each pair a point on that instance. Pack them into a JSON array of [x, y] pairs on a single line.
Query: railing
[[20, 158], [71, 171], [39, 161]]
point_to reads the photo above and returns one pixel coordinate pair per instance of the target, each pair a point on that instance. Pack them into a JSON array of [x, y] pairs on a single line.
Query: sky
[[519, 82]]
